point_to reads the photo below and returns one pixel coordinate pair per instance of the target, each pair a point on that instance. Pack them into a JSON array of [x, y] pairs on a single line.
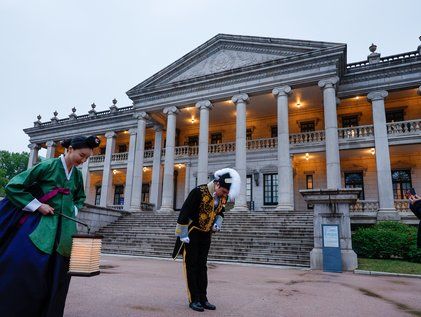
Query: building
[[287, 114]]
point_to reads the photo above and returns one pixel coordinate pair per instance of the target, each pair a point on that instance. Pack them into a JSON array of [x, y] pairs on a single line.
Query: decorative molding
[[328, 82], [204, 104], [377, 95], [282, 91], [110, 134], [243, 97], [171, 110]]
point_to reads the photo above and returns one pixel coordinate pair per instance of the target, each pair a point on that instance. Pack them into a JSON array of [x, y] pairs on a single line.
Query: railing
[[401, 205], [118, 207], [119, 156], [404, 127], [387, 59], [258, 144], [362, 131], [96, 159], [307, 137], [148, 154], [221, 147]]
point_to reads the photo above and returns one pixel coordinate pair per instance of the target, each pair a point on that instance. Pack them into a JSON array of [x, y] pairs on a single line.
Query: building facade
[[287, 114]]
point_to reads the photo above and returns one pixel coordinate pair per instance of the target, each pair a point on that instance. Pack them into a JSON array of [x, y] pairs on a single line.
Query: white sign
[[330, 236]]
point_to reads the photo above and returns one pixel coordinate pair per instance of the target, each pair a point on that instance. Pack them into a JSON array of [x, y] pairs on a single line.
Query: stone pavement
[[130, 286]]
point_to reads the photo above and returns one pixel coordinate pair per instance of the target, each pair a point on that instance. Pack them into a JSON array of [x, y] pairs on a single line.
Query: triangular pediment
[[228, 53]]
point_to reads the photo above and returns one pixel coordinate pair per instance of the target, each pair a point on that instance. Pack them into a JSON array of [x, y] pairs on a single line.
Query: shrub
[[387, 240]]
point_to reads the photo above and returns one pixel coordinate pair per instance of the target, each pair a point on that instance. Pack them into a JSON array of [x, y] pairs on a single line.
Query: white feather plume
[[235, 183]]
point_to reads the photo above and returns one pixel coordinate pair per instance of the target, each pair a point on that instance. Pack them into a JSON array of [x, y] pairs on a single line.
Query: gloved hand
[[185, 239], [217, 225], [216, 228], [182, 231]]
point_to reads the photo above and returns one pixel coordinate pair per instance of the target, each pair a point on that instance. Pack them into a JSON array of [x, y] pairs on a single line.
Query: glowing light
[[373, 151], [307, 156]]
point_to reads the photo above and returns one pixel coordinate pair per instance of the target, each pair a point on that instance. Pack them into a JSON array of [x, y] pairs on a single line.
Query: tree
[[11, 164]]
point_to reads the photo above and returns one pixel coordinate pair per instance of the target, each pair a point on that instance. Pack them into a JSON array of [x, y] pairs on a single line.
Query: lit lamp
[[85, 255], [256, 177], [307, 156], [373, 151]]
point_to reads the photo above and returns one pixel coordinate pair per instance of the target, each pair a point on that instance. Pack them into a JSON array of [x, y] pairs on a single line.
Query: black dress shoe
[[207, 305], [196, 306]]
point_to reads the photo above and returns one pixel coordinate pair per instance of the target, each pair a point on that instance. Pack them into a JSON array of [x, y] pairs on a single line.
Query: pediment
[[225, 53]]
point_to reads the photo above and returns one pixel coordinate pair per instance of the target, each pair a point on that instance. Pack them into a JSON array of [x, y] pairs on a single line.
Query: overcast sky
[[58, 54]]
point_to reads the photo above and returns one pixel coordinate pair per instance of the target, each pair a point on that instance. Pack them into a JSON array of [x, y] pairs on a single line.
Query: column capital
[[282, 90], [171, 110], [110, 134], [158, 128], [328, 82], [132, 131], [141, 116], [50, 143], [204, 104], [377, 95], [33, 146], [240, 98]]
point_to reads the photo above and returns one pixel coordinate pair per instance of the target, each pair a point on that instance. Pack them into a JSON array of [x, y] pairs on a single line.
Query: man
[[202, 213]]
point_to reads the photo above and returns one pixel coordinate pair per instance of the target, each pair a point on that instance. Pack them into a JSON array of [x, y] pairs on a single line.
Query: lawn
[[393, 266]]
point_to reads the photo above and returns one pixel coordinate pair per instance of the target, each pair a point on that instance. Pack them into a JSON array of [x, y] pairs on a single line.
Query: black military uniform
[[200, 215]]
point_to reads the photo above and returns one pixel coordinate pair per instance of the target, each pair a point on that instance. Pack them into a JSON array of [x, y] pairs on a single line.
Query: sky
[[56, 54]]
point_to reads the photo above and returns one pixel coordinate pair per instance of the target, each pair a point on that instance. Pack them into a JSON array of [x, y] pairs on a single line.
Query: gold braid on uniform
[[207, 214]]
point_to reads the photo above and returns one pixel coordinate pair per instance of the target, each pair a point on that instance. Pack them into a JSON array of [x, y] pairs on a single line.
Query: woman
[[415, 205], [35, 241]]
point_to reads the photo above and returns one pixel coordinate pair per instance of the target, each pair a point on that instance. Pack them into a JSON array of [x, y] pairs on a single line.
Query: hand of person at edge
[[46, 209]]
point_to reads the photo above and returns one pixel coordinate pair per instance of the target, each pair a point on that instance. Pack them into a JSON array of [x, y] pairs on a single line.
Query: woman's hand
[[46, 209], [413, 199]]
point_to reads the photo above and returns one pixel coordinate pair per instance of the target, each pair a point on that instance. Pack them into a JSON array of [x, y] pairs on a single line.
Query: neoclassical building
[[287, 114]]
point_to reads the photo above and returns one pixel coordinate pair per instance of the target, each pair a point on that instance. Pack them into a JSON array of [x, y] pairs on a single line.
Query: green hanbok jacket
[[49, 175]]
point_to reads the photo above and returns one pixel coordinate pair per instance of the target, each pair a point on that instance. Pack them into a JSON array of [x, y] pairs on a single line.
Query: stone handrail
[[96, 159], [257, 144], [404, 127], [356, 132], [120, 156], [401, 205], [307, 137], [392, 58], [148, 154], [221, 147], [117, 207]]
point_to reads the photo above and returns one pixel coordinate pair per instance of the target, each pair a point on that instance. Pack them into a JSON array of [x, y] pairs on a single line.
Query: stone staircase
[[277, 238]]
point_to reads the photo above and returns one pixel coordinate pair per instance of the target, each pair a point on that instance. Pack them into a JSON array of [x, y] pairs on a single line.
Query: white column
[[136, 199], [384, 175], [187, 180], [168, 183], [202, 168], [156, 168], [107, 176], [86, 176], [33, 154], [333, 167], [128, 188], [51, 147], [284, 160], [240, 149]]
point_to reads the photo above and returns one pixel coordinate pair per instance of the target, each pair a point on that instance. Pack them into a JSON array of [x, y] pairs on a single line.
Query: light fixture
[[307, 156], [145, 169], [180, 165], [373, 151], [115, 172], [298, 104], [256, 177], [357, 97], [193, 119]]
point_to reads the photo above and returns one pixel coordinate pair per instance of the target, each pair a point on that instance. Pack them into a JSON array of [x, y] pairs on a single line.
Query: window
[[270, 189], [148, 145], [145, 193], [394, 115], [355, 180], [309, 185], [249, 134], [97, 195], [274, 131], [216, 138], [349, 121], [401, 180], [249, 190], [307, 126], [193, 140], [119, 195], [122, 148]]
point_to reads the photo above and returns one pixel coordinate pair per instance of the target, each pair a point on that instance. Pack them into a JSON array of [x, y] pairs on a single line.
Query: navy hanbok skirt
[[32, 283]]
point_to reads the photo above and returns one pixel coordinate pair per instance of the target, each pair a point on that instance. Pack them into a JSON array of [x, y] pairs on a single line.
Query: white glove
[[216, 228], [185, 239]]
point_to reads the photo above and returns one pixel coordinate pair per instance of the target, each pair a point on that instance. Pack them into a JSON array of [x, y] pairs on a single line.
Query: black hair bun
[[66, 143], [93, 141]]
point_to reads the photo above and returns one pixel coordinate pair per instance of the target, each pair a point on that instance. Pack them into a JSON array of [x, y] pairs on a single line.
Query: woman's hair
[[81, 142]]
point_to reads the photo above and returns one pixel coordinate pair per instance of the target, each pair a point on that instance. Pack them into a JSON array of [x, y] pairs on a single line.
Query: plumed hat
[[229, 179]]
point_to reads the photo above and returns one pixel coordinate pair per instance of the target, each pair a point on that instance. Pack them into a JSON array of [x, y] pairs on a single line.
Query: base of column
[[349, 259], [165, 210], [240, 208], [388, 214], [284, 208]]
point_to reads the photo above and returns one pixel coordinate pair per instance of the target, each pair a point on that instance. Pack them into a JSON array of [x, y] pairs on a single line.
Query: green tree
[[11, 164]]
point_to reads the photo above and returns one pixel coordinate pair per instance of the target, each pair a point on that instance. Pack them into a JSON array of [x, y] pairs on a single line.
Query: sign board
[[332, 259]]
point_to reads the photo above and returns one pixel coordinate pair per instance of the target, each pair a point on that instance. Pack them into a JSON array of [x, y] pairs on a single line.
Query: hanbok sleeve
[[16, 189], [79, 195]]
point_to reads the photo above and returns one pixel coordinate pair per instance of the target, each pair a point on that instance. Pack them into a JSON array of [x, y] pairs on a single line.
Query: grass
[[392, 266]]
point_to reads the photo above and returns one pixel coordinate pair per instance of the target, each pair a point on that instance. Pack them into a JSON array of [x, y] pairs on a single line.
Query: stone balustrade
[[258, 144], [401, 205], [362, 131], [404, 127], [119, 156], [307, 137]]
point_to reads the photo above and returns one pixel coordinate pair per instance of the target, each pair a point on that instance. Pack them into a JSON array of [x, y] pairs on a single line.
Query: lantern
[[85, 255]]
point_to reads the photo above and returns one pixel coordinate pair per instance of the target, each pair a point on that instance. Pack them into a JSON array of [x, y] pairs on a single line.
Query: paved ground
[[130, 286]]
